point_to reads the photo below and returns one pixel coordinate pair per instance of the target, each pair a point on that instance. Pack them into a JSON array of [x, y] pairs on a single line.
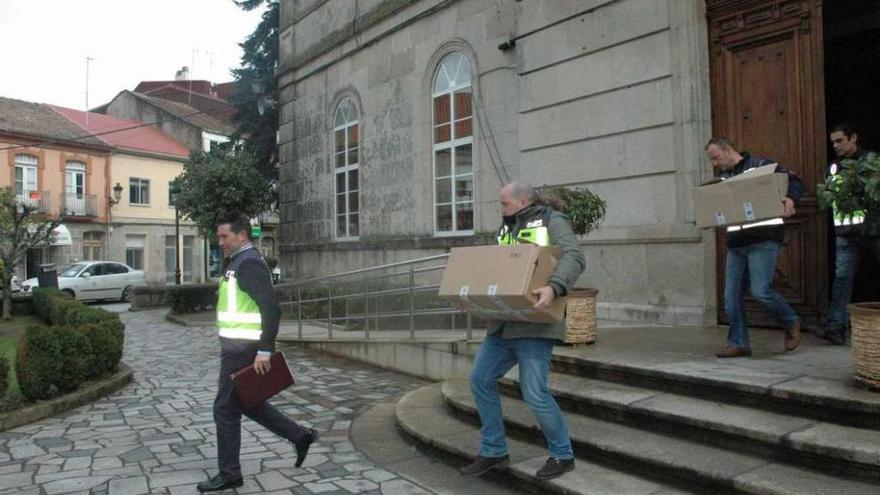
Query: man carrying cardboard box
[[753, 247], [528, 344]]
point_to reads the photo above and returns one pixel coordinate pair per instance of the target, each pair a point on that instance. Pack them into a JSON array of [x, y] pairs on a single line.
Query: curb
[[85, 395]]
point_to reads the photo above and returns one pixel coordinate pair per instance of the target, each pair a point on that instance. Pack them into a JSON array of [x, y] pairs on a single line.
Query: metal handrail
[[367, 275]]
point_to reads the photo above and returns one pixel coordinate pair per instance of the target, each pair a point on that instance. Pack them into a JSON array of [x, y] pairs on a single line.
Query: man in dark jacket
[[529, 345], [753, 247], [247, 319], [851, 237]]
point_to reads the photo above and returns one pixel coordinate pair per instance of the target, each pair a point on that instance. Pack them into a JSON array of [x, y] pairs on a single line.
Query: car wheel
[[126, 295], [69, 293]]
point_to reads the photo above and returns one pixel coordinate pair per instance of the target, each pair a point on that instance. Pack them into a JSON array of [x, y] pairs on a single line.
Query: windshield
[[72, 270]]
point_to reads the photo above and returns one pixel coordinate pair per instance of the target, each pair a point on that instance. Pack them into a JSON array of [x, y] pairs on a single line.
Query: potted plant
[[586, 211], [856, 187]]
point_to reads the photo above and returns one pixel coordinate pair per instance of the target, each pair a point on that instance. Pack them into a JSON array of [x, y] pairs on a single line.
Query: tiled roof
[[41, 122], [137, 136], [189, 114]]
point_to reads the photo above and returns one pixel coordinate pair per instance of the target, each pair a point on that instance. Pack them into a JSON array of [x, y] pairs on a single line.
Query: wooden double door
[[766, 61]]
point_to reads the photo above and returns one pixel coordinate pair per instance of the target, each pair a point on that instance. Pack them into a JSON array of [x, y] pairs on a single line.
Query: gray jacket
[[571, 265]]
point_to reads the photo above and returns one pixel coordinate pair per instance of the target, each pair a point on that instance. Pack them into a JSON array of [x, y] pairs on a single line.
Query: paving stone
[[274, 481], [129, 486], [84, 483]]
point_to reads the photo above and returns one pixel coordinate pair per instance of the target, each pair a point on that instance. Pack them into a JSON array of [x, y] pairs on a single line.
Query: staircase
[[646, 429]]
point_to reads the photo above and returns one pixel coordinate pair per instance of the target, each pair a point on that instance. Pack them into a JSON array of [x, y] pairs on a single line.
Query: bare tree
[[23, 225]]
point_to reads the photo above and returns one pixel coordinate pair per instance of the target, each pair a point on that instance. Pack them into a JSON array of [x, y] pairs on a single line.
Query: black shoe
[[218, 483], [555, 468], [835, 335], [302, 447], [484, 464]]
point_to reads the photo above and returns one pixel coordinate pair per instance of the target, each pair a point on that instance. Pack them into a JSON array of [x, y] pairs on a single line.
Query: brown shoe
[[733, 352], [793, 337]]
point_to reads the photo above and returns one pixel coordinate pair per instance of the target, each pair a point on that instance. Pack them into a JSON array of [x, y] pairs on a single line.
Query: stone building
[[401, 120]]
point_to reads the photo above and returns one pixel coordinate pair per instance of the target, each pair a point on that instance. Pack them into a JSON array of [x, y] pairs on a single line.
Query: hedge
[[185, 299], [76, 343]]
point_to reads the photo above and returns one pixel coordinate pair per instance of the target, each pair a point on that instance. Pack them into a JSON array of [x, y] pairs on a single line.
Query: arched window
[[453, 146], [345, 137]]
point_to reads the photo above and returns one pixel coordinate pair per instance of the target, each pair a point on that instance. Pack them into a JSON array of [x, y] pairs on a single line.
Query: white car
[[91, 280]]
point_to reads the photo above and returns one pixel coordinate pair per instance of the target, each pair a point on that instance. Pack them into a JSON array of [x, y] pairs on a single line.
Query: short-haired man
[[851, 237], [753, 248], [248, 315], [530, 345]]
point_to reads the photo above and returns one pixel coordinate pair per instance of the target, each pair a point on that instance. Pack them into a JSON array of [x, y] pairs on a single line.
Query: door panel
[[768, 98]]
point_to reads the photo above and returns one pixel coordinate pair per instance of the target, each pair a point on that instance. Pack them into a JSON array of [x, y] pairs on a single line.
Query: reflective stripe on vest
[[529, 235], [857, 217], [238, 315]]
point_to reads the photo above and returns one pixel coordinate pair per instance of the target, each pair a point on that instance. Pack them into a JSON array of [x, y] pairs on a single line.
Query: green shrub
[[43, 297], [4, 375], [185, 299], [106, 338], [52, 360], [81, 343]]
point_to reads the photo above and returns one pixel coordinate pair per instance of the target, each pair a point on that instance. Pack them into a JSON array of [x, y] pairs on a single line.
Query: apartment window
[[75, 187], [170, 255], [452, 135], [189, 245], [26, 177], [346, 158], [91, 248], [134, 251], [138, 191]]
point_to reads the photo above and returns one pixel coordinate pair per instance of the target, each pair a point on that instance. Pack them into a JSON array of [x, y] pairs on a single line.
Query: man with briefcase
[[248, 316]]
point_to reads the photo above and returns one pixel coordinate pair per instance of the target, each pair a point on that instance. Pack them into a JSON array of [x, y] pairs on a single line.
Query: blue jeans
[[760, 261], [496, 357], [848, 254]]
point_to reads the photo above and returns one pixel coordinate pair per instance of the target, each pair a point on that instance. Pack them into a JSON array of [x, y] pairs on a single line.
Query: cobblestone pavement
[[157, 434]]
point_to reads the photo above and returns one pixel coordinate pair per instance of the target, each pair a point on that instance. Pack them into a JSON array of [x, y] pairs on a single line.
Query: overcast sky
[[44, 45]]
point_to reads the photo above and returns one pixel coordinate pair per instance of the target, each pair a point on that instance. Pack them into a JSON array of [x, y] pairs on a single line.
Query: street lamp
[[117, 194], [112, 200], [175, 188]]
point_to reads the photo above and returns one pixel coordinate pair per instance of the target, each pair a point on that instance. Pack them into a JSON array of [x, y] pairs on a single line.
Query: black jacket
[[755, 235]]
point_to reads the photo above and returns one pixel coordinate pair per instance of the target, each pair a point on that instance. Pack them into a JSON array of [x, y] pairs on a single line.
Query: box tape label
[[749, 211]]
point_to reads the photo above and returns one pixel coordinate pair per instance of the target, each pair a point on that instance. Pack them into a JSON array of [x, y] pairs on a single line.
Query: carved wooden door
[[768, 98]]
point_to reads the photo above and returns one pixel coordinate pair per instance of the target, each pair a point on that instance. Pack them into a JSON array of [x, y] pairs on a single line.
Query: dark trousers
[[234, 355]]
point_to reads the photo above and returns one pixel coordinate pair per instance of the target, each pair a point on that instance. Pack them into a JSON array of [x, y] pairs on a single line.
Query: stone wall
[[611, 95]]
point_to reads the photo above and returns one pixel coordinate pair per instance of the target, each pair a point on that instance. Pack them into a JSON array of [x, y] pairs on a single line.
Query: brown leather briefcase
[[253, 389]]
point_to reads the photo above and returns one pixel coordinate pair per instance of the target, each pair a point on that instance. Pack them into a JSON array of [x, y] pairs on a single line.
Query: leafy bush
[[52, 360], [185, 299], [4, 376], [585, 209], [79, 343], [43, 297]]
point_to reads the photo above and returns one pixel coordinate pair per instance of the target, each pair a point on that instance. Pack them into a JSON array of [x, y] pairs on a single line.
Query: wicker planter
[[580, 317], [865, 318]]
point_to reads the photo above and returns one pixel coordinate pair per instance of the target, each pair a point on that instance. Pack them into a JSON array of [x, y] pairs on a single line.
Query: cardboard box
[[748, 197], [496, 282]]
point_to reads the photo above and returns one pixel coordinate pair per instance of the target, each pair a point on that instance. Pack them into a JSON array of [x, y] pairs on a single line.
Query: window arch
[[452, 140], [346, 158]]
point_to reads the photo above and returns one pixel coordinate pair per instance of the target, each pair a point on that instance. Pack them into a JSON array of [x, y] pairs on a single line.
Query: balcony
[[79, 205], [37, 200]]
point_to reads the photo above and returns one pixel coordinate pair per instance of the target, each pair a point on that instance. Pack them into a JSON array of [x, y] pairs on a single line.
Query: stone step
[[776, 383], [803, 441], [676, 459], [422, 416]]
